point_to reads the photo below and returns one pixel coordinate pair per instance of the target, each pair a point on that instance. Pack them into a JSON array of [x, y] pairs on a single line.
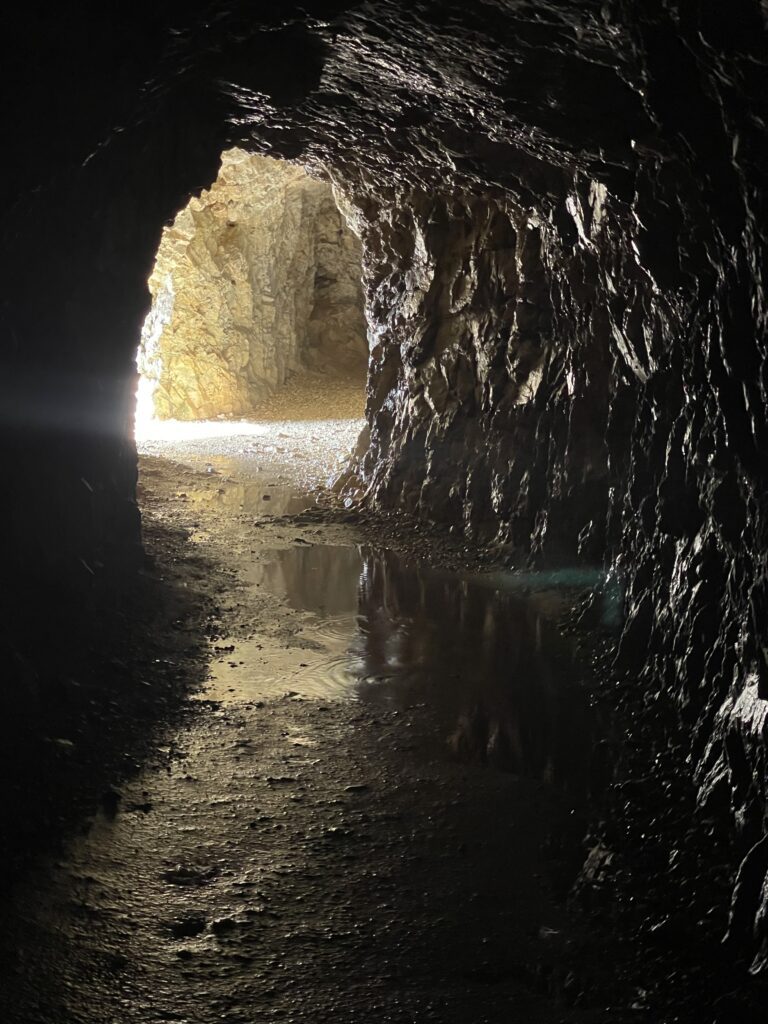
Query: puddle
[[482, 652], [237, 486]]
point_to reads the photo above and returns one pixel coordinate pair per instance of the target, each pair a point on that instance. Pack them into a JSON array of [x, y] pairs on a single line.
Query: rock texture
[[562, 208], [255, 279]]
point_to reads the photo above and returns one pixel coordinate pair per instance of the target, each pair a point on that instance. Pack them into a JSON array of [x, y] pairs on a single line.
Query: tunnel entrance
[[257, 306]]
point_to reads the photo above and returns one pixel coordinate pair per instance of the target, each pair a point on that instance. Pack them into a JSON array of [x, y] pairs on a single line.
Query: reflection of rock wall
[[256, 278], [498, 676]]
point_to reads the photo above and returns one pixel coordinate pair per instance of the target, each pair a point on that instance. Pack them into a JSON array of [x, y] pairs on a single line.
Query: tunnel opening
[[257, 309]]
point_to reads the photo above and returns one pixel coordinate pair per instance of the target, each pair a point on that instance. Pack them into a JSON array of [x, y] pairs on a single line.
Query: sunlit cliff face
[[560, 210], [255, 281]]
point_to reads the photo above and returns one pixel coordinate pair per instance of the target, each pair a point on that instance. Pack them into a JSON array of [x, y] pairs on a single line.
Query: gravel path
[[304, 434]]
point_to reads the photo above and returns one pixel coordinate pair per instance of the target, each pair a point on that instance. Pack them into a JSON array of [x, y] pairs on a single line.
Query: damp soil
[[360, 794], [320, 764]]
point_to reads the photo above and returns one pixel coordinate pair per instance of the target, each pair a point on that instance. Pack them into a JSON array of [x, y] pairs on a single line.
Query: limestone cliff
[[255, 279]]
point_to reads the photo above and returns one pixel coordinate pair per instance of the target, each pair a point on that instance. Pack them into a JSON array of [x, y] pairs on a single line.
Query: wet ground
[[371, 810], [319, 764]]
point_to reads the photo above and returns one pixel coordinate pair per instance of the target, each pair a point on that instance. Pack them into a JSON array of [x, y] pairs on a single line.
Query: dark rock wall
[[490, 380], [534, 384], [563, 210], [96, 164], [584, 377]]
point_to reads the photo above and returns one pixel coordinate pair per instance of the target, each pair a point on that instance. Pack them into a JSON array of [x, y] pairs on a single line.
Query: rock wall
[[256, 278], [570, 384], [482, 415]]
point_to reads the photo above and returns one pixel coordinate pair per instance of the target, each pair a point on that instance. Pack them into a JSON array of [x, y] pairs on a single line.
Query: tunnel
[[428, 678]]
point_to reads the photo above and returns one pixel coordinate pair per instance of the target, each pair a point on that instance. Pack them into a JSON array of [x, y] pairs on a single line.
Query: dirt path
[[353, 821]]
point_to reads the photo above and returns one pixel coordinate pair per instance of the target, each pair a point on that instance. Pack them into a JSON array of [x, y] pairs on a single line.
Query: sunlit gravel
[[305, 447], [310, 451]]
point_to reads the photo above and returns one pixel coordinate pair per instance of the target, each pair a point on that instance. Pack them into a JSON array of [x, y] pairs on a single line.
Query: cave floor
[[348, 818]]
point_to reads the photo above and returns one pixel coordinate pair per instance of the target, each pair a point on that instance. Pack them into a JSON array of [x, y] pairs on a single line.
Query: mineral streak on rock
[[256, 278]]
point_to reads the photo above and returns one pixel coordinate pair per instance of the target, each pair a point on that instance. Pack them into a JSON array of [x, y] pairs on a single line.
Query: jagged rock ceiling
[[498, 93]]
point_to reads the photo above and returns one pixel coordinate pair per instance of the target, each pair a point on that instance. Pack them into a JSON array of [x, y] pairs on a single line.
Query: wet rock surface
[[265, 882]]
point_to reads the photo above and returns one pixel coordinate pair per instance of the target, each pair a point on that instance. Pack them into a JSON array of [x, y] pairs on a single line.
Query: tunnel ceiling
[[562, 212], [497, 93], [500, 94]]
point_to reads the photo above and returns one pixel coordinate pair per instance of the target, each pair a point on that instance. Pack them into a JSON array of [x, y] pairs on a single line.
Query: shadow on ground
[[87, 697]]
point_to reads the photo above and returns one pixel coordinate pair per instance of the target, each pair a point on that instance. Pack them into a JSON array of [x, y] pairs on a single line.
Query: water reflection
[[257, 494], [485, 656], [317, 578], [490, 663]]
